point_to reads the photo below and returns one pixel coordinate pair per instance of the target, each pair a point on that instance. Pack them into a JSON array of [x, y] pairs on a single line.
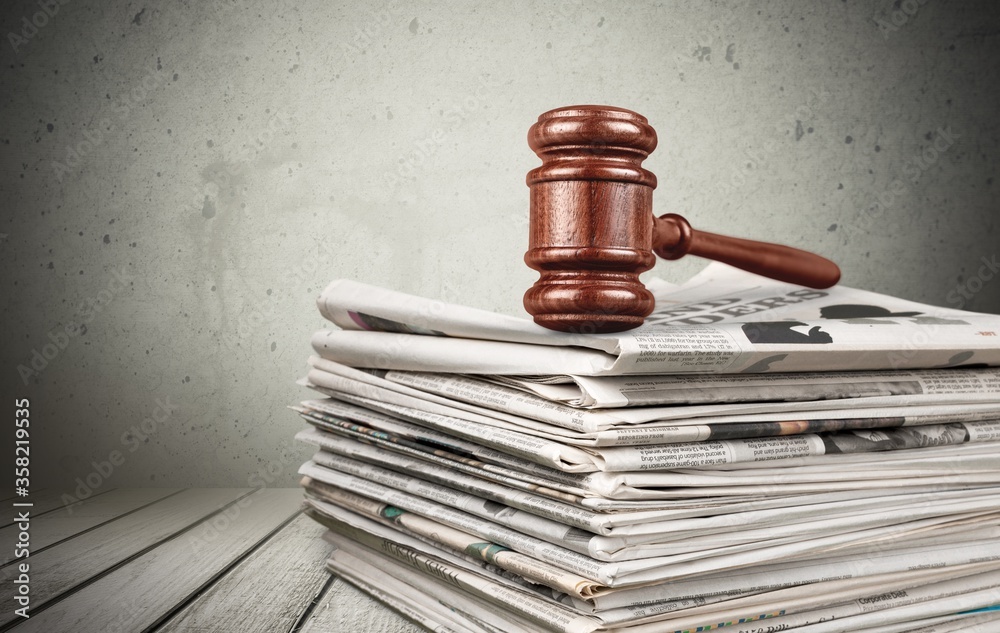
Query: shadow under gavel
[[593, 232]]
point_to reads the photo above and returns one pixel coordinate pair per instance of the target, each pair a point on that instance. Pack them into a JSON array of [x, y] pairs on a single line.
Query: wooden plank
[[70, 563], [136, 595], [345, 608], [267, 592], [53, 527], [36, 491], [43, 502]]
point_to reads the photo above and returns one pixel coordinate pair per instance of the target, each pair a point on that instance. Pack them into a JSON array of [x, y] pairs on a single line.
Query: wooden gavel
[[593, 232]]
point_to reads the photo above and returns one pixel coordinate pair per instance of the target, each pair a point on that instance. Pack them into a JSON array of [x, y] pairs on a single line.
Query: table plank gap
[[307, 614], [62, 570], [287, 569], [135, 595], [50, 501], [15, 497], [52, 529], [344, 607]]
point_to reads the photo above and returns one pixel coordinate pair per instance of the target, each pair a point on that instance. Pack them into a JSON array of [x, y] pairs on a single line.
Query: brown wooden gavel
[[593, 232]]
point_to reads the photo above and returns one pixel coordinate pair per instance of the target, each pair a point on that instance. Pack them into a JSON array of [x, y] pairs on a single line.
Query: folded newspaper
[[723, 320], [758, 457]]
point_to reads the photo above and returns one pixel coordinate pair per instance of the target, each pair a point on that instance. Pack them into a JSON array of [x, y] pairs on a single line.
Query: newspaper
[[430, 579], [967, 622], [397, 436], [374, 544], [828, 599], [562, 523], [758, 456], [428, 594], [529, 441], [531, 569], [664, 535], [504, 408], [531, 494], [722, 321], [432, 615], [876, 604], [405, 590], [601, 392], [428, 590], [931, 465], [769, 577], [836, 599], [872, 590], [948, 465], [946, 604], [939, 519], [492, 400]]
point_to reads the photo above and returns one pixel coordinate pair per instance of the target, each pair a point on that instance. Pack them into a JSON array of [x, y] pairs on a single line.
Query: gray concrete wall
[[182, 178]]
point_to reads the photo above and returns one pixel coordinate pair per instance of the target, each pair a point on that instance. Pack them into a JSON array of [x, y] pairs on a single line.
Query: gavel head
[[591, 219]]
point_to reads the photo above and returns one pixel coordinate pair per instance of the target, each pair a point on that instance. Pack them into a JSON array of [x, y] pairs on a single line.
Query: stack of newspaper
[[758, 457]]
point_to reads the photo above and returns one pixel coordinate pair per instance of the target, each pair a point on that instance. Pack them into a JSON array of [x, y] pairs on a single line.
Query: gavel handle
[[673, 238]]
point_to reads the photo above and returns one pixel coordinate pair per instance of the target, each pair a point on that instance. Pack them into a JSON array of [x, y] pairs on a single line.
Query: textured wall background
[[180, 179]]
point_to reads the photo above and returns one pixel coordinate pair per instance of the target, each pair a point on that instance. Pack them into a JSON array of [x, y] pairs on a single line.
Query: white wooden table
[[197, 560]]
